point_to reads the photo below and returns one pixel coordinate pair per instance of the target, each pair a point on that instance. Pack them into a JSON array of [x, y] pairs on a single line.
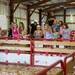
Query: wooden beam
[[58, 4], [64, 15], [37, 4], [40, 17], [11, 11], [18, 1], [16, 7], [32, 12], [59, 9], [28, 20]]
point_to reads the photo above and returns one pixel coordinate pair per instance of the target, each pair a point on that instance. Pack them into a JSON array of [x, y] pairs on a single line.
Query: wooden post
[[28, 20], [11, 11], [40, 17], [48, 14], [64, 15]]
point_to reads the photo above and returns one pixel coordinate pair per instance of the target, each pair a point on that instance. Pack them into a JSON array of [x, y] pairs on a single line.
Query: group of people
[[57, 30], [16, 31], [54, 31]]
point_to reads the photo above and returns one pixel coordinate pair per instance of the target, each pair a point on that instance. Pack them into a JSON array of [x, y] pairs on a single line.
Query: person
[[10, 32], [55, 34], [21, 29], [33, 28], [38, 32], [66, 32], [47, 32], [55, 25], [61, 24], [15, 31]]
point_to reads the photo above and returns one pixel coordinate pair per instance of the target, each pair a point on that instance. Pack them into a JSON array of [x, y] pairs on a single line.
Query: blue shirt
[[66, 34], [56, 27], [48, 35]]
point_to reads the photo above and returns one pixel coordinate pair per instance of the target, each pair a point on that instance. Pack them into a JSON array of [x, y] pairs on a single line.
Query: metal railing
[[44, 71]]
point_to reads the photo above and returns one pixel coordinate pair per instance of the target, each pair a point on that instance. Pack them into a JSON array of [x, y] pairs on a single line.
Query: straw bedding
[[23, 70]]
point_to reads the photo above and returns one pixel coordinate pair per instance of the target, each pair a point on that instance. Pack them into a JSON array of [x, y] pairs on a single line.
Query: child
[[55, 34], [66, 32], [61, 27], [38, 32], [9, 32], [47, 33], [15, 31]]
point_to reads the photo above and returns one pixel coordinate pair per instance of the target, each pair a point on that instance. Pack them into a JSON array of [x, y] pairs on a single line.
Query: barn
[[37, 37]]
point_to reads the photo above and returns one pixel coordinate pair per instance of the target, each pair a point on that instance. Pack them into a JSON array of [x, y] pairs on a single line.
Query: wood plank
[[15, 48], [15, 41], [65, 43], [57, 50]]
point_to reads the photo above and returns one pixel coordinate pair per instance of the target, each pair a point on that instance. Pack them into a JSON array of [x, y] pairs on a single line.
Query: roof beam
[[37, 4], [18, 1], [16, 7], [32, 12], [59, 9], [58, 4]]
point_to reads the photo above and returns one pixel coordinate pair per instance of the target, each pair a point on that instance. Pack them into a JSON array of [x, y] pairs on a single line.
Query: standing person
[[55, 25], [10, 32], [15, 31], [33, 28], [38, 32], [21, 29], [66, 32], [47, 32], [61, 24]]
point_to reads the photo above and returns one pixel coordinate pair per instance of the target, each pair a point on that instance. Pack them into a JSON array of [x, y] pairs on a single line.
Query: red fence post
[[31, 52], [65, 60], [44, 71]]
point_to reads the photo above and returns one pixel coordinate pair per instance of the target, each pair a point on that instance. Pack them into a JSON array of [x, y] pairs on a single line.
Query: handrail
[[10, 38], [44, 71], [65, 60], [58, 39]]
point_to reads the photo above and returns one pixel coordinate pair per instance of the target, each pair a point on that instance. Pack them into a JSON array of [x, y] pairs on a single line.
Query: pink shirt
[[15, 32], [61, 30]]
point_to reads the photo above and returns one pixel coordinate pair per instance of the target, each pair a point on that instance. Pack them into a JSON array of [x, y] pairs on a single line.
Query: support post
[[11, 11], [48, 15], [64, 15], [40, 17], [28, 20]]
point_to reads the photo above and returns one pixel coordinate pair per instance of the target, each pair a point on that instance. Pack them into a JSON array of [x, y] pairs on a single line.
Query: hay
[[18, 70], [55, 71], [23, 70]]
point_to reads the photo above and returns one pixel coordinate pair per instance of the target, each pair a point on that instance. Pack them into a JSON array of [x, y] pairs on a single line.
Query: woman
[[15, 31], [47, 32], [66, 32], [38, 32], [21, 29], [61, 24]]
